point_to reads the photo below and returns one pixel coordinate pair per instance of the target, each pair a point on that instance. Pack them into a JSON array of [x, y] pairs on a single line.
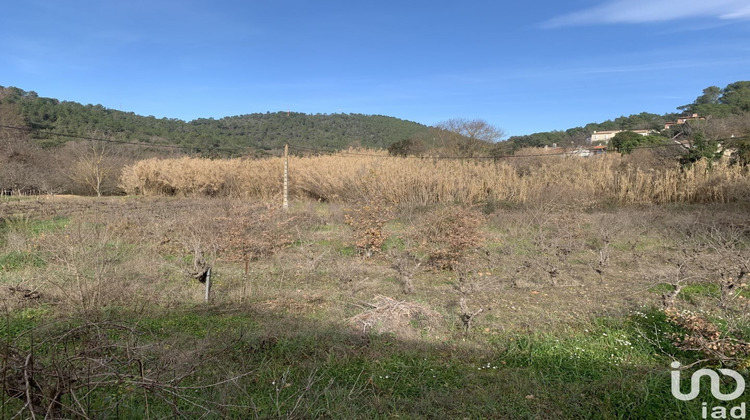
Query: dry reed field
[[349, 177]]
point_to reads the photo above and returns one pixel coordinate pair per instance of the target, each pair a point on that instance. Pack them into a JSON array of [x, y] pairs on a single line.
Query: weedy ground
[[565, 308]]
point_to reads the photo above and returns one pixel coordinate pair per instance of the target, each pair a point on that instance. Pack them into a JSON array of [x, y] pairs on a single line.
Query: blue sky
[[525, 67]]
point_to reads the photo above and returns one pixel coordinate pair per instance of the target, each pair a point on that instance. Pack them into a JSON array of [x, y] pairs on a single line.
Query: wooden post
[[208, 283], [286, 178]]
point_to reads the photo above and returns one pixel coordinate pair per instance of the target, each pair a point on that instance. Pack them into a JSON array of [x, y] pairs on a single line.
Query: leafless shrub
[[467, 316], [406, 265], [255, 237], [448, 234], [466, 285], [368, 219], [197, 233], [669, 298], [722, 252], [609, 228], [88, 267], [704, 336], [717, 253], [55, 373], [553, 242], [685, 271]]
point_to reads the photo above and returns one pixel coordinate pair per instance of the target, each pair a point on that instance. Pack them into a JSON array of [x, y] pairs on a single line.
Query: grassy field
[[351, 309]]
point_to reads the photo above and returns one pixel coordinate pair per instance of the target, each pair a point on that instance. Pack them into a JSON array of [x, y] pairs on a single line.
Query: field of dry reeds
[[348, 177]]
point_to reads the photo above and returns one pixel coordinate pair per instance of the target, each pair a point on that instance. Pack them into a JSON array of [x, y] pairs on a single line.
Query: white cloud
[[742, 13], [638, 11]]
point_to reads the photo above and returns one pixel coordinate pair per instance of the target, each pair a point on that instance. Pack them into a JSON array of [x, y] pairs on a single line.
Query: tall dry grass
[[414, 181]]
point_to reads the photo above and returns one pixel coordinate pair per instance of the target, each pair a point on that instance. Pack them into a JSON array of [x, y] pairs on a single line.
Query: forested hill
[[578, 135], [252, 131], [732, 101]]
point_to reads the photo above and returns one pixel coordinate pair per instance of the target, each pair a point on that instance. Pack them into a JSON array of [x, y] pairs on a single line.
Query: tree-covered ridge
[[578, 135], [244, 132], [715, 102]]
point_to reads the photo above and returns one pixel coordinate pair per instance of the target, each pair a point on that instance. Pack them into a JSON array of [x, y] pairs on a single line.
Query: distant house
[[587, 151], [604, 136], [580, 152], [683, 120]]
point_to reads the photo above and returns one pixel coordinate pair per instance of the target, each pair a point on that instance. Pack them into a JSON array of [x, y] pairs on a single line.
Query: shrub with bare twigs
[[59, 374], [406, 265], [449, 234], [704, 336], [368, 220]]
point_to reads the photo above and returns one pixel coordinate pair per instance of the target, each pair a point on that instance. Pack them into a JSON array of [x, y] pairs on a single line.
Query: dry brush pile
[[413, 181]]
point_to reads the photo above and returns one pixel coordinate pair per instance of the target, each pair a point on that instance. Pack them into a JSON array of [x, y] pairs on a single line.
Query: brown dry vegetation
[[467, 271], [406, 182], [536, 267]]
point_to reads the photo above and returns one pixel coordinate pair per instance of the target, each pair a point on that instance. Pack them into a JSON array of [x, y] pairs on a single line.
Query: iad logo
[[738, 412], [715, 381]]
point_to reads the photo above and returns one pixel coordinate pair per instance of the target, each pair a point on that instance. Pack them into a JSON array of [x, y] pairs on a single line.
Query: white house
[[604, 136]]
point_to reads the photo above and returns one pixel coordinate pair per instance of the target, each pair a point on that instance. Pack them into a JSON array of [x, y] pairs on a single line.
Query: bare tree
[[94, 164], [465, 137]]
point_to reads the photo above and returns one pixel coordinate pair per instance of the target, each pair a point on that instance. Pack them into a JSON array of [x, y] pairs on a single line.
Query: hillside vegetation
[[243, 133], [726, 110]]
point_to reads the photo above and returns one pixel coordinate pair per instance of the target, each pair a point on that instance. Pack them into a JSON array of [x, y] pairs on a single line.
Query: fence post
[[286, 178], [208, 283]]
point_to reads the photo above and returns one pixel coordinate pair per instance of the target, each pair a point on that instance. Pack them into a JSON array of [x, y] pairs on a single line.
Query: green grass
[[304, 368], [690, 293], [33, 227], [347, 250], [22, 321], [393, 242], [16, 260], [197, 323]]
